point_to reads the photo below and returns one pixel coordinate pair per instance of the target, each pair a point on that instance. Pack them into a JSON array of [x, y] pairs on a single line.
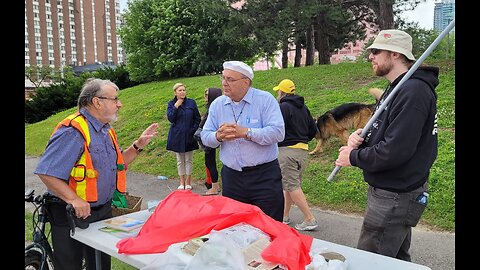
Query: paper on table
[[119, 233], [124, 223]]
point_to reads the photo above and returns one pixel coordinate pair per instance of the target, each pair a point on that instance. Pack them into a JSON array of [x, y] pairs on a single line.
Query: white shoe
[[188, 187], [181, 187], [307, 225]]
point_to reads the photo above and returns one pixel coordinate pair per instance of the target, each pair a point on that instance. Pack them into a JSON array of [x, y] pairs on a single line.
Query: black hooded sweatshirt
[[299, 123], [401, 145]]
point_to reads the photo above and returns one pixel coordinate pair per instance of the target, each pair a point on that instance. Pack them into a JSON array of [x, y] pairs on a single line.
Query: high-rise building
[[72, 32], [443, 14]]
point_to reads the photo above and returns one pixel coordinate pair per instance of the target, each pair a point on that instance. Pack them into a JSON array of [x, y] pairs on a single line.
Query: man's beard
[[384, 69], [113, 118]]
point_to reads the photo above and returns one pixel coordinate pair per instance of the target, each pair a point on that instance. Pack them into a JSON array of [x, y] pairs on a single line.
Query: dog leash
[[406, 77]]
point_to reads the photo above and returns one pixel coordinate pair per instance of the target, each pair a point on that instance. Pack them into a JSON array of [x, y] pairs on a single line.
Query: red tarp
[[183, 215]]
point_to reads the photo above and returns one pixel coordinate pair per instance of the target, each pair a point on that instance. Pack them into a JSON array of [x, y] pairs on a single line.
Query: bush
[[48, 101]]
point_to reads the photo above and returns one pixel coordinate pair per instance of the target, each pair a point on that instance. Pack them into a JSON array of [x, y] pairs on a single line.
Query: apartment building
[[443, 14], [59, 33]]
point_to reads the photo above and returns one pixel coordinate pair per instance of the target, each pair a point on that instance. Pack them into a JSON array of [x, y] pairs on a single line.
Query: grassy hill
[[323, 87]]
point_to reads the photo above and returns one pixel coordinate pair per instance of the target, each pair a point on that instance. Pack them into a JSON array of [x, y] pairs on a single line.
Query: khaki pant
[[184, 163], [292, 164]]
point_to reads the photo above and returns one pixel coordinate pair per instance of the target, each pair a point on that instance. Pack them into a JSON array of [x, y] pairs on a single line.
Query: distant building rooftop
[[91, 67]]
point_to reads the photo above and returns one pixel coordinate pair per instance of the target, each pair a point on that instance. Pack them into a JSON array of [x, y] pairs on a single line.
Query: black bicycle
[[39, 254]]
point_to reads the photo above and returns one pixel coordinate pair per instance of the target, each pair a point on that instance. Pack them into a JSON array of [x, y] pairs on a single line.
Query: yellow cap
[[286, 86]]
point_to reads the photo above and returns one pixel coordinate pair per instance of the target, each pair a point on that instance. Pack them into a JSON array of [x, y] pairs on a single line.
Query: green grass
[[323, 87]]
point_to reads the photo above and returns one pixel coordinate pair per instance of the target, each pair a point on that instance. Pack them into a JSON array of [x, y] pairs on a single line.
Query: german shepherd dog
[[340, 120]]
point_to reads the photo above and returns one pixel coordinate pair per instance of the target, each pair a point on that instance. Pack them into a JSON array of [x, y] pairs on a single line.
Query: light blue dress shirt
[[258, 110]]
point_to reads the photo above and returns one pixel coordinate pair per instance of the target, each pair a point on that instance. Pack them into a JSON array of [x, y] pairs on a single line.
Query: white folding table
[[357, 259]]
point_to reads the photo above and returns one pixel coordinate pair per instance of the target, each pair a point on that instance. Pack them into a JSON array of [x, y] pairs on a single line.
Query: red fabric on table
[[183, 215]]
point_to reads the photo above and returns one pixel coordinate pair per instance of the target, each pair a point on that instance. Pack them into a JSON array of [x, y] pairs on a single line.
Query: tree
[[39, 74], [337, 23], [174, 38]]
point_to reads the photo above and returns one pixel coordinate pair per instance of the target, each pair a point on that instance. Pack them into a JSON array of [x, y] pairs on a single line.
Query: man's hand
[[344, 156], [82, 208], [231, 131], [354, 140], [147, 135]]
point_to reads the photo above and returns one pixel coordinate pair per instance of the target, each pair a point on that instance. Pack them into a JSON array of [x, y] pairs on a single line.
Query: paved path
[[433, 249]]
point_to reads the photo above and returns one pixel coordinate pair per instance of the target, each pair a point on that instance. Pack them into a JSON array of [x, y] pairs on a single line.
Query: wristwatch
[[137, 148], [249, 134]]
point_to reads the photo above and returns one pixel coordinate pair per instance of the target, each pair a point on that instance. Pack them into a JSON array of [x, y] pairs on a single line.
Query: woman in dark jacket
[[211, 180], [184, 117]]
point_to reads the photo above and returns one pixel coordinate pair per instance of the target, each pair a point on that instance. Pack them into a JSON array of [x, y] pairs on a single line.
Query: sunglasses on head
[[375, 51]]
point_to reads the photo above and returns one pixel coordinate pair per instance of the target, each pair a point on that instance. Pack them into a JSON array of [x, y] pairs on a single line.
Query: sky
[[423, 13]]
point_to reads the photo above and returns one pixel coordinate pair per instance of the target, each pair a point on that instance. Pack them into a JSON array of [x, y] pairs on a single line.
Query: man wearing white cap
[[399, 149], [247, 125]]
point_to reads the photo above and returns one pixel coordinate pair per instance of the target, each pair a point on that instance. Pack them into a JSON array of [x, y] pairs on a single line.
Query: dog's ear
[[376, 93]]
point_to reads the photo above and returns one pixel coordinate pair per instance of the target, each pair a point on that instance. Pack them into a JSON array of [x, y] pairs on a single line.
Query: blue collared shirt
[[258, 110], [66, 146]]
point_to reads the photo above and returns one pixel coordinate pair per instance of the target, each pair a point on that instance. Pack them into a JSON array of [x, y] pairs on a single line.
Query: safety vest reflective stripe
[[121, 170]]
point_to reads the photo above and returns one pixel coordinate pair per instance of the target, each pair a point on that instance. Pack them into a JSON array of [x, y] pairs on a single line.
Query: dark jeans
[[68, 252], [388, 221], [259, 185]]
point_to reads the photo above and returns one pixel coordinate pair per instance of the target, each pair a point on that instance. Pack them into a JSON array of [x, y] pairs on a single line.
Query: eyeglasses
[[375, 51], [229, 79], [116, 99]]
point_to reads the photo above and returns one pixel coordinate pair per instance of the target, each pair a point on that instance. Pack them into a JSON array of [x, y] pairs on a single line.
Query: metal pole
[[406, 77]]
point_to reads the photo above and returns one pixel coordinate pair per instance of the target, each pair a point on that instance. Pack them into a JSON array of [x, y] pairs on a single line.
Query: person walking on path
[[83, 165], [247, 124], [184, 117], [300, 128], [211, 181], [398, 150]]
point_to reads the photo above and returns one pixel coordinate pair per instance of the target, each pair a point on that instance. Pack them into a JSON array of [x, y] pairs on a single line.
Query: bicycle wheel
[[33, 260]]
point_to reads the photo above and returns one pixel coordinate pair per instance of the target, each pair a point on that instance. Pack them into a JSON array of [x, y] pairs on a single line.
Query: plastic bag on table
[[218, 253], [324, 259], [172, 259]]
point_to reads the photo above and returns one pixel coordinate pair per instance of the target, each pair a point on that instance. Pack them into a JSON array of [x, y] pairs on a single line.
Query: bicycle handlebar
[[70, 218], [41, 200]]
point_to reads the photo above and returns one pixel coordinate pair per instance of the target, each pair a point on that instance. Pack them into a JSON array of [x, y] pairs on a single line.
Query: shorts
[[292, 164]]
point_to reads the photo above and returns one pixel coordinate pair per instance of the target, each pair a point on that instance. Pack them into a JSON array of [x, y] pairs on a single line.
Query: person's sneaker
[[181, 187], [286, 220], [307, 225]]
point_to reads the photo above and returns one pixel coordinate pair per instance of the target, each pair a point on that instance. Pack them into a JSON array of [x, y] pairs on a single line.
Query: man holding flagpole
[[396, 154]]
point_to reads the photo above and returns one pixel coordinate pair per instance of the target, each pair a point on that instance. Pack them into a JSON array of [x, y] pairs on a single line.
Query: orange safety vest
[[83, 178]]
